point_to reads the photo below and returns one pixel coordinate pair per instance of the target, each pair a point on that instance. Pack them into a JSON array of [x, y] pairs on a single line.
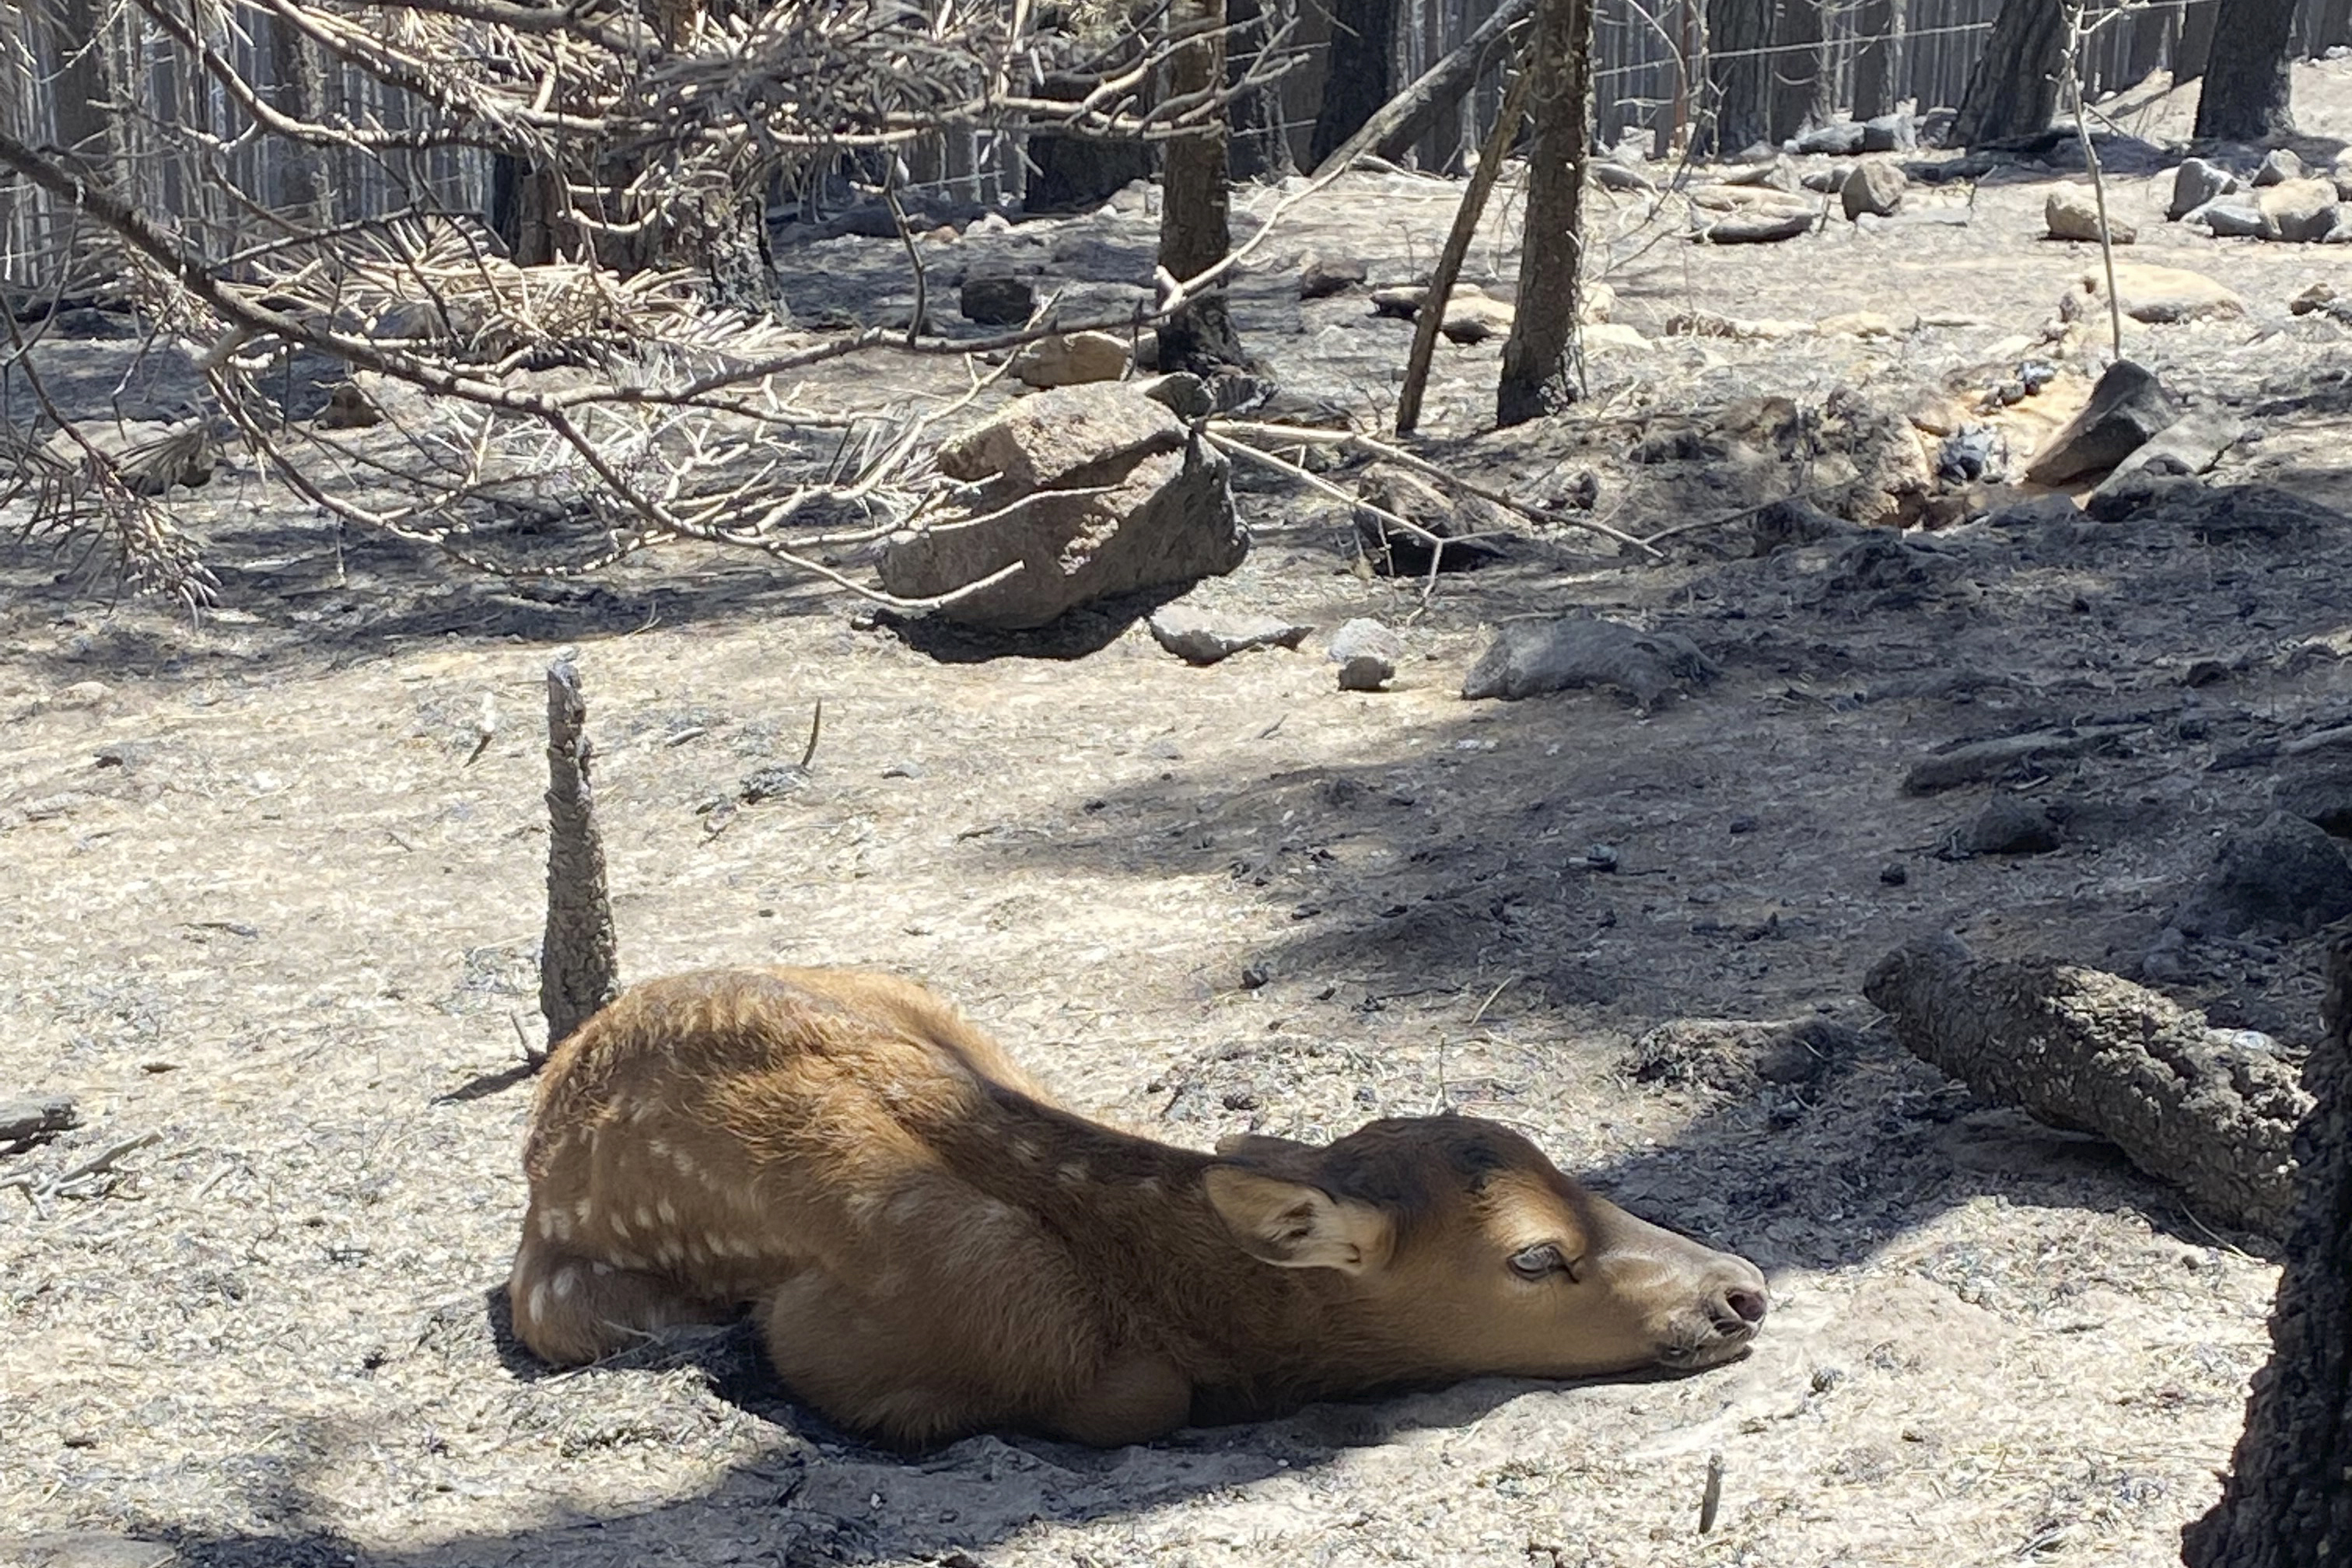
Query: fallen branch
[[2087, 1051], [26, 1122]]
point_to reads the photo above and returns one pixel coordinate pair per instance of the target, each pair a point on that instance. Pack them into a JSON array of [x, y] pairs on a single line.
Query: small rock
[[349, 408], [1597, 335], [1876, 188], [1367, 654], [2073, 213], [1071, 359], [1528, 658], [2007, 826], [2196, 182], [1894, 874], [1474, 318], [1320, 277], [1756, 225], [1826, 181], [2300, 212], [2284, 875], [2280, 167], [1895, 132], [1771, 173], [997, 302], [1844, 138], [1200, 637], [2322, 296], [1186, 396], [2128, 408]]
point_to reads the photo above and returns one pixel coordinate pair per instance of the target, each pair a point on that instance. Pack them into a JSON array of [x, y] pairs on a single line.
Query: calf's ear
[[1294, 1226]]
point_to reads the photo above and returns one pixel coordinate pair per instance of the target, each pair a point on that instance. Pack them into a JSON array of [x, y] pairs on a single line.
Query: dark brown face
[[1475, 1255]]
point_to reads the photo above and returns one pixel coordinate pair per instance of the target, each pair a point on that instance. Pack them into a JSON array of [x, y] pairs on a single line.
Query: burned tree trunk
[[1800, 88], [2244, 98], [1878, 59], [2287, 1501], [579, 967], [304, 181], [1358, 81], [1539, 370], [1738, 73], [2087, 1051], [2196, 46], [1404, 119], [2014, 90], [1195, 209]]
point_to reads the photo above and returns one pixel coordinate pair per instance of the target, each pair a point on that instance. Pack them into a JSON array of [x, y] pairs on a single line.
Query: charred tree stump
[[2014, 90], [2287, 1501], [2244, 98], [2087, 1051], [579, 969]]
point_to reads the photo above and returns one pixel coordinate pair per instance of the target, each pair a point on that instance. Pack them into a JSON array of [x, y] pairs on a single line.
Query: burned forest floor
[[271, 882]]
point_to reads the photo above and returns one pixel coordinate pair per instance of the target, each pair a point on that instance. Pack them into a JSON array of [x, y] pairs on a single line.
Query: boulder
[[2282, 876], [1756, 225], [2164, 294], [1843, 137], [998, 302], [1071, 359], [2189, 445], [1876, 188], [2128, 408], [1319, 276], [1471, 315], [1158, 511], [2197, 181], [2073, 213], [2298, 211], [1890, 133], [2280, 165], [2229, 217], [1528, 658]]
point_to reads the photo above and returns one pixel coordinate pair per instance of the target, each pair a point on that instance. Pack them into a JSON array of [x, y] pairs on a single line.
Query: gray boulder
[[2282, 876], [2196, 182], [1367, 653], [1528, 658], [2127, 407], [1874, 188], [2280, 165], [1089, 491]]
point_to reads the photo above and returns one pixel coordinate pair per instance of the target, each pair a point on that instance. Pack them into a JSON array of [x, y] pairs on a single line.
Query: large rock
[[1755, 225], [2073, 213], [2280, 165], [1845, 136], [997, 302], [2283, 876], [2127, 407], [2162, 294], [1071, 359], [1158, 511], [2229, 217], [1320, 276], [1203, 637], [2298, 211], [1528, 658], [2195, 183], [1890, 133], [2190, 445], [1876, 188]]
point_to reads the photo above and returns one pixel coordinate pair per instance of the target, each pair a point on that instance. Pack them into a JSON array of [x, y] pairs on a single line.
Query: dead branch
[[2087, 1051]]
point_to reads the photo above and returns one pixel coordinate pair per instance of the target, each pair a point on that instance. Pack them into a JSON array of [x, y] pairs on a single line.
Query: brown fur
[[932, 1246]]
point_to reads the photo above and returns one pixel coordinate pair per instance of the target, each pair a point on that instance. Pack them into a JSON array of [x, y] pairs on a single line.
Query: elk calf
[[933, 1247]]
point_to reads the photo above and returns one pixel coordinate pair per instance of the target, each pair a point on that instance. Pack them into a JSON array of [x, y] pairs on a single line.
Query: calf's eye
[[1535, 1262]]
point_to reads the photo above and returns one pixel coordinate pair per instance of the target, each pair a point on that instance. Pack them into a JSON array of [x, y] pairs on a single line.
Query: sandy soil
[[264, 902]]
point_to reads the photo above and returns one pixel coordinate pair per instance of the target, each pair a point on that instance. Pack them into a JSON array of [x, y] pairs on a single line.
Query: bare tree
[[1362, 36], [1738, 73], [2246, 81], [2014, 90], [1540, 358], [1878, 57], [1195, 206]]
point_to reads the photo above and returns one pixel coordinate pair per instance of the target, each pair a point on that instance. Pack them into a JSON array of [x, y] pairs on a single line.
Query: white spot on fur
[[620, 1223], [660, 1146], [668, 1211], [1071, 1174], [600, 1269], [547, 1221], [581, 1210], [669, 1254], [1149, 1186], [644, 1218], [566, 1280], [535, 1305], [1024, 1151], [684, 1162]]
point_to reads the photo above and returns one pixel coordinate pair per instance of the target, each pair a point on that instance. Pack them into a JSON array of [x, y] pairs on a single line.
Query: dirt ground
[[262, 903]]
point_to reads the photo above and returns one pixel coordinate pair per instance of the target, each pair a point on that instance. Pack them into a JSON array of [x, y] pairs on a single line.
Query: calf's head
[[1466, 1252]]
